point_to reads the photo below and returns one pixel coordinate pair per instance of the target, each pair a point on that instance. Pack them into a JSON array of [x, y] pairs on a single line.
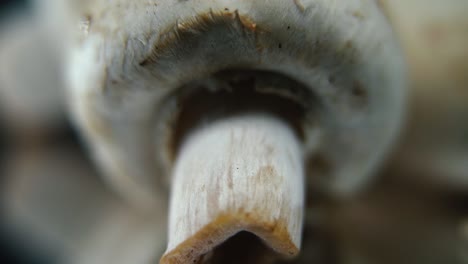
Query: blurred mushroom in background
[[414, 208], [434, 36]]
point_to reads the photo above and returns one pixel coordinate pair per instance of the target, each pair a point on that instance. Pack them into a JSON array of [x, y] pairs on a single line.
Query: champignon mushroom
[[435, 40], [31, 88], [54, 203], [237, 107]]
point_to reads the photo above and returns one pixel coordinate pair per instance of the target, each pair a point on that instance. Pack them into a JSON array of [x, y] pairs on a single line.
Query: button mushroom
[[237, 108], [29, 63], [435, 38]]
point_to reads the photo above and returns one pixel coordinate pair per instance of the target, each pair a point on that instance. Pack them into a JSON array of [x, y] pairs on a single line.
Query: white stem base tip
[[242, 173]]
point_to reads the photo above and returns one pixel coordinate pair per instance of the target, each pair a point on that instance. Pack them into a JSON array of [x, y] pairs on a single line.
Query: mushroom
[[31, 88], [433, 152], [435, 40], [235, 109], [54, 203]]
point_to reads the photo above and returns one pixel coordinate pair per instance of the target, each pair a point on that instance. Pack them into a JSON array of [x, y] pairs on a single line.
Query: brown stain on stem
[[213, 234], [358, 15], [265, 173]]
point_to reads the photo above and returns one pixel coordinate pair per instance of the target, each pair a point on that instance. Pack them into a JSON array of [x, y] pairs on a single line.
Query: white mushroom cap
[[134, 57], [153, 83]]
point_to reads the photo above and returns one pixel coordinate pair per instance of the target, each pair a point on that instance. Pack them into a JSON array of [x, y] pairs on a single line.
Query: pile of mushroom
[[228, 120]]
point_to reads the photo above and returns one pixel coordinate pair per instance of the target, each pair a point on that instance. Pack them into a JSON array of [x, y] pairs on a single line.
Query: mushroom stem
[[243, 173]]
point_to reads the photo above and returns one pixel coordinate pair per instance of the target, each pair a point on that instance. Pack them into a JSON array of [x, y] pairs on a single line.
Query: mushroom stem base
[[242, 173]]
